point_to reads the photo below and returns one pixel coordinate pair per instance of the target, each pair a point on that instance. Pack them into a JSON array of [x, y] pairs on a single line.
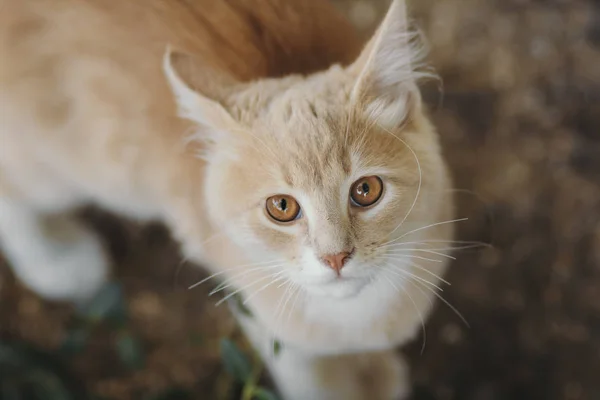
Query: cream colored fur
[[193, 113]]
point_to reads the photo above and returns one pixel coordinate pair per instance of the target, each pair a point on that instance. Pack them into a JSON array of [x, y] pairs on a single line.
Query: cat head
[[320, 175]]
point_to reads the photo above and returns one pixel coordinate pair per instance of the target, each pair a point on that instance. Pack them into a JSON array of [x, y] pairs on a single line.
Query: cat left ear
[[387, 78], [197, 92]]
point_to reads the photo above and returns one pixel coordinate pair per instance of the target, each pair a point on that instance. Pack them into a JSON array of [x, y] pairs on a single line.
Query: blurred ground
[[520, 121]]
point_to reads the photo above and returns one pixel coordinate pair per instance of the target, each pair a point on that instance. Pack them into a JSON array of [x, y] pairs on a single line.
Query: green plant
[[108, 307], [239, 366]]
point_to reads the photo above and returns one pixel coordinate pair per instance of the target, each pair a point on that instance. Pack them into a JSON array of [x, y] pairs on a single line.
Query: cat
[[294, 162]]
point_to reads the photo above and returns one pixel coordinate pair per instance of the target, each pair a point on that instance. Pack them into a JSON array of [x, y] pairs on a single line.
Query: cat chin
[[344, 288]]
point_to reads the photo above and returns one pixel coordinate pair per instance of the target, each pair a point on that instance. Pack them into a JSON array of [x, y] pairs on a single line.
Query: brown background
[[519, 115]]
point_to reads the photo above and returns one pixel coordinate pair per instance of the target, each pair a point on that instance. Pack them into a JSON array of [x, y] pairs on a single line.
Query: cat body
[[216, 118]]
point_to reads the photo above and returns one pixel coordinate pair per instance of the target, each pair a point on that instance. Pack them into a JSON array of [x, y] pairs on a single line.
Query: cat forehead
[[315, 137], [310, 153], [293, 99]]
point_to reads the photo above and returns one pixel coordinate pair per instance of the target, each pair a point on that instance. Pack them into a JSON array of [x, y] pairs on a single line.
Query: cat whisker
[[414, 265], [450, 241], [230, 295], [403, 251], [347, 130], [408, 256], [276, 278], [364, 133], [403, 272], [466, 247], [420, 289], [280, 303], [280, 311], [447, 303], [295, 288], [231, 280], [466, 244], [299, 294], [178, 270], [219, 273], [412, 206], [423, 228], [414, 304]]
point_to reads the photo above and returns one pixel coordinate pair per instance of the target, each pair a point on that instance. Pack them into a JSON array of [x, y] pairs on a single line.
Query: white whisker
[[280, 303], [290, 286], [414, 304], [449, 305], [403, 251], [417, 266], [229, 282], [472, 245], [288, 294], [468, 242], [420, 180], [299, 292], [238, 267], [224, 299], [407, 256], [433, 225], [402, 272], [276, 278], [422, 228]]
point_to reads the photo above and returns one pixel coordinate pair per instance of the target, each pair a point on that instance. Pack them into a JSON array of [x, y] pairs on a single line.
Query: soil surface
[[519, 116]]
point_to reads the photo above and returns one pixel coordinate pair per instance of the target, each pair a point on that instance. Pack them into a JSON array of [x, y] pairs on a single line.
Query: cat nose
[[337, 261]]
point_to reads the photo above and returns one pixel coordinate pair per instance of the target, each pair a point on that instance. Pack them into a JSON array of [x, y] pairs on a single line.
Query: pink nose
[[337, 261]]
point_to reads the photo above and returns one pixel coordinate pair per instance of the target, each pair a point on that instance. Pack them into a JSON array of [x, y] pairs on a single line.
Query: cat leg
[[55, 256], [300, 375], [361, 376]]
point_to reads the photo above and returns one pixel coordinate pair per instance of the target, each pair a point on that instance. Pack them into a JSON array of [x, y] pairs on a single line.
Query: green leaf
[[238, 302], [108, 302], [235, 362], [130, 351], [277, 347], [197, 339], [30, 374], [173, 394], [47, 386], [263, 394], [10, 391], [74, 342]]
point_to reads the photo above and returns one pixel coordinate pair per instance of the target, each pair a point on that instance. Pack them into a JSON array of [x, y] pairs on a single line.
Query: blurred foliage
[[28, 373], [245, 372]]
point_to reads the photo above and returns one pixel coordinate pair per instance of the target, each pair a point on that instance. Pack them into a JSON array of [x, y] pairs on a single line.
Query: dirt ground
[[519, 115]]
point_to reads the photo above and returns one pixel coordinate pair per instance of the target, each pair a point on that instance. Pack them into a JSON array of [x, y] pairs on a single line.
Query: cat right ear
[[198, 92], [386, 71]]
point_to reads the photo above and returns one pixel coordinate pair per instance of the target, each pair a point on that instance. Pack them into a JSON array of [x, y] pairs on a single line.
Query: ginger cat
[[297, 167]]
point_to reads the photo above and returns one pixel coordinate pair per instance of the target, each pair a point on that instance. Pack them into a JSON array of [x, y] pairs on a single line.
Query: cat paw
[[72, 270], [387, 376], [369, 376], [377, 376]]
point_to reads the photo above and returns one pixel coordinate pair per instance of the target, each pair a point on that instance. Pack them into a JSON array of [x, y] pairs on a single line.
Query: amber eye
[[366, 191], [283, 208]]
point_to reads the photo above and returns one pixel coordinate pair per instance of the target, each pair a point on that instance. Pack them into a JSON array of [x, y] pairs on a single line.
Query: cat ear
[[387, 77], [198, 91]]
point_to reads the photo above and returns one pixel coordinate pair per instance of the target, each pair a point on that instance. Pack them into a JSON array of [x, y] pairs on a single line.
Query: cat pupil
[[283, 204], [365, 188]]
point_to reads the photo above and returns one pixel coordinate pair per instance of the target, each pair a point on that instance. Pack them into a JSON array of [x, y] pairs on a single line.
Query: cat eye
[[366, 191], [283, 208]]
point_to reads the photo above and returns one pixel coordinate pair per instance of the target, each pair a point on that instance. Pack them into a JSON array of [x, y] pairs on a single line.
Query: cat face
[[320, 174]]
